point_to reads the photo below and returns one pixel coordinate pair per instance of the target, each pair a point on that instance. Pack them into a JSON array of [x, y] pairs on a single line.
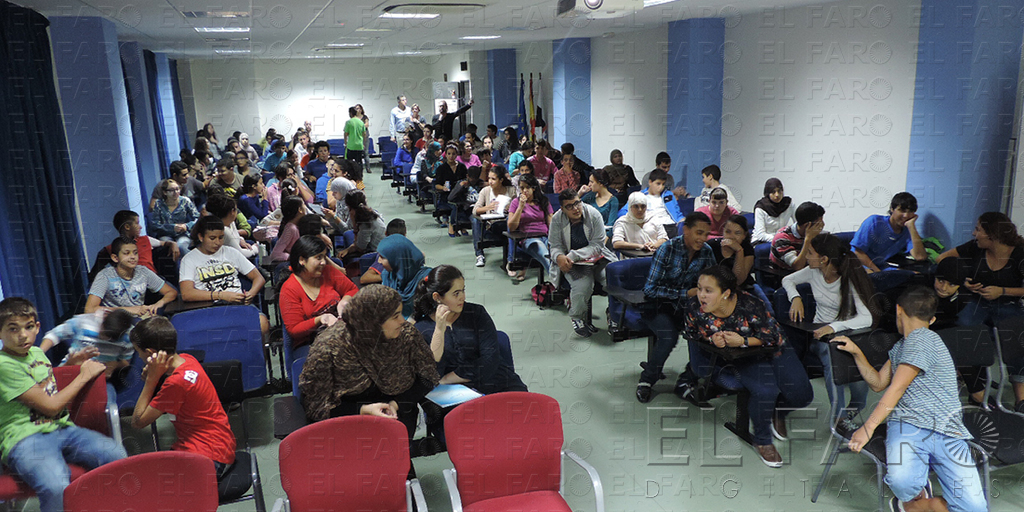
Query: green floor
[[665, 455]]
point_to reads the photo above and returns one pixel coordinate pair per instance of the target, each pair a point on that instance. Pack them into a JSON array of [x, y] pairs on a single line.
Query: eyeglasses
[[573, 205]]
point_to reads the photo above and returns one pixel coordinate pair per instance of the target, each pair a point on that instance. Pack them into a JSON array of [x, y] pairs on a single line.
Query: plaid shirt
[[671, 274]]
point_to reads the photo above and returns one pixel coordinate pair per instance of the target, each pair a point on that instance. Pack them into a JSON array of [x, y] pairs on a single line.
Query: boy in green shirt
[[354, 135], [37, 438]]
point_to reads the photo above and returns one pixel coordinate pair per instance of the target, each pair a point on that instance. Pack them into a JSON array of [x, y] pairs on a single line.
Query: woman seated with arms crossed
[[841, 291], [210, 272], [734, 252], [634, 231], [498, 186], [314, 296], [174, 215], [252, 199], [772, 212], [124, 284], [465, 330], [726, 317], [597, 194], [370, 362], [403, 269], [530, 213]]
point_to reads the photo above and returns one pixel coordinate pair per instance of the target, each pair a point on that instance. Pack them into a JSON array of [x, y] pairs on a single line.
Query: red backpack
[[546, 295]]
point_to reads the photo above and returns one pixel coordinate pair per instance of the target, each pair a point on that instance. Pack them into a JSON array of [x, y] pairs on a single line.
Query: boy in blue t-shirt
[[925, 428], [880, 237], [37, 437]]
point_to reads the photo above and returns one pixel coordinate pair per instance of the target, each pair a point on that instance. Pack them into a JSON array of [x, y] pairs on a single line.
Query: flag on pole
[[524, 124], [539, 111], [532, 112]]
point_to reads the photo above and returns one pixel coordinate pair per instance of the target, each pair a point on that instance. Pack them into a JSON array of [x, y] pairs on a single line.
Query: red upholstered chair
[[88, 410], [507, 453], [168, 481], [354, 463]]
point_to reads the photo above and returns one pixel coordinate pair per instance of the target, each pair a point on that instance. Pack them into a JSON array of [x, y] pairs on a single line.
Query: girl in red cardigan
[[313, 297]]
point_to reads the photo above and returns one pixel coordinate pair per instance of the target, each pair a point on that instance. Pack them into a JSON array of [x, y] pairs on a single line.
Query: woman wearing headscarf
[[370, 362], [403, 268], [772, 212], [634, 231], [620, 176]]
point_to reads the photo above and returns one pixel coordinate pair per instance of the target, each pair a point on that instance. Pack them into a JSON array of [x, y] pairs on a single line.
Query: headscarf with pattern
[[353, 354]]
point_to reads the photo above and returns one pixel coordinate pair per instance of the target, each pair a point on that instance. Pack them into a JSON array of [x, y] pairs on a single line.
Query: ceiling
[[296, 29]]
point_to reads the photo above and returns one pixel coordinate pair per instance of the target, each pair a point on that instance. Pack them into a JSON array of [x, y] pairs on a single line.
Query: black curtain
[[42, 257], [179, 107]]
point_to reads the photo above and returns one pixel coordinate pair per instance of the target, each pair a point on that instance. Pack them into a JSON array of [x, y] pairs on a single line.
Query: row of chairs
[[493, 470]]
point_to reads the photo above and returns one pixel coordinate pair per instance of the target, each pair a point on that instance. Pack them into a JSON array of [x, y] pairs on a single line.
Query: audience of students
[[718, 211], [128, 227], [880, 238], [495, 198], [788, 249], [530, 213], [620, 176], [597, 194], [711, 176], [292, 211], [174, 216], [367, 223]]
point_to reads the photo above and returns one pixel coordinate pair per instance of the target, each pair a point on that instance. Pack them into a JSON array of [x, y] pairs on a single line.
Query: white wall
[[821, 97], [628, 97], [480, 90], [225, 92], [536, 58]]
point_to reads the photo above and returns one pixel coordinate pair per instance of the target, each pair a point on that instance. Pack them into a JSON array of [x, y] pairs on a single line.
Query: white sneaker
[[480, 260]]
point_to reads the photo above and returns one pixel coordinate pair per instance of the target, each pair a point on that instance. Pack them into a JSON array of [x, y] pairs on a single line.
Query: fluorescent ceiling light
[[652, 3], [408, 53], [367, 29], [231, 52], [479, 38], [344, 45], [209, 30], [215, 14], [409, 15]]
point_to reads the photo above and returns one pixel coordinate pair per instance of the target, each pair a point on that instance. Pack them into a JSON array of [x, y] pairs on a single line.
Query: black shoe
[[685, 390], [591, 327], [580, 329], [644, 391], [1019, 407]]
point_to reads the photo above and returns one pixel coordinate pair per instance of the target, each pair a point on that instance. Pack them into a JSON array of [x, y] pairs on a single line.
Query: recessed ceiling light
[[344, 45], [231, 52], [479, 38], [215, 14], [210, 30], [409, 15]]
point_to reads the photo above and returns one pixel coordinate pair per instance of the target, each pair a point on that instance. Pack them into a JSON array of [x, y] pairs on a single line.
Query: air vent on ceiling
[[439, 7]]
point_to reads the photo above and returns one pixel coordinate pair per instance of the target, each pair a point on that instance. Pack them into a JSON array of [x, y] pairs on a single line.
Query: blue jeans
[[537, 248], [480, 231], [662, 323], [911, 451], [858, 390], [183, 241], [41, 460], [989, 312], [776, 382]]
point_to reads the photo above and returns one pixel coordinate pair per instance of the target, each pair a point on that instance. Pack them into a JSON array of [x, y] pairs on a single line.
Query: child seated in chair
[[925, 428], [200, 422], [37, 437], [126, 222], [125, 284]]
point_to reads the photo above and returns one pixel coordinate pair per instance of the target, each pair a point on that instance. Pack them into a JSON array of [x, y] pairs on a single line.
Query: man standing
[[444, 122], [354, 133], [399, 121]]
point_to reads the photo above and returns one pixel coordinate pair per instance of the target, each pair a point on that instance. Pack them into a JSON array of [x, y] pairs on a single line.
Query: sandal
[[520, 276], [512, 274]]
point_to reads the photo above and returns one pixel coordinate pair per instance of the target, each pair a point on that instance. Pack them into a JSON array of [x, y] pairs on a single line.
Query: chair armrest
[[451, 481], [281, 505], [415, 493], [114, 417], [595, 478], [626, 296]]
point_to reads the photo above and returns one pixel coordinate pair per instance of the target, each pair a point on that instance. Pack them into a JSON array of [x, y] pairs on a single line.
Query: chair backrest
[[505, 349], [630, 274], [1010, 332], [88, 408], [505, 444], [555, 203], [361, 461], [296, 371], [226, 333], [781, 302], [169, 480], [874, 344], [226, 377], [969, 345], [365, 262]]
